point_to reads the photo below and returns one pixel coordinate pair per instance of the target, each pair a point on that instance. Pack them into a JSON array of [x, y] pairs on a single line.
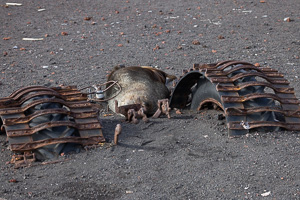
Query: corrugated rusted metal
[[225, 77], [15, 118]]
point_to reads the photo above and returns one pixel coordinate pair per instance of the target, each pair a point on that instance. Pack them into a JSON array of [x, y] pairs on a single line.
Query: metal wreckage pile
[[41, 122]]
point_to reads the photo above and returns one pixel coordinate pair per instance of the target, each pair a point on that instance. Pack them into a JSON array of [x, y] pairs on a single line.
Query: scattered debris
[[6, 38], [123, 110], [13, 4], [163, 108], [287, 19], [196, 42], [64, 33], [87, 18], [156, 48], [245, 125], [32, 39], [178, 111], [40, 10], [13, 181], [266, 194], [23, 160], [221, 37]]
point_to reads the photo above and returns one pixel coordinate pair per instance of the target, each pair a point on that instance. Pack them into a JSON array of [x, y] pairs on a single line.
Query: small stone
[[87, 18], [156, 48], [196, 42]]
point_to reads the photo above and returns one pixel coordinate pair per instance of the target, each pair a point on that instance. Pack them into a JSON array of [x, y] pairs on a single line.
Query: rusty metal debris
[[123, 110], [118, 131], [251, 97], [132, 112], [163, 108], [23, 160], [134, 115], [36, 117]]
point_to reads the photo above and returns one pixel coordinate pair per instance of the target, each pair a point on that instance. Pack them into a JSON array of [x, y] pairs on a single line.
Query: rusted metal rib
[[29, 88], [33, 89], [31, 131], [241, 99], [225, 88], [41, 143], [27, 119], [41, 93], [73, 103], [229, 63], [211, 73], [217, 72], [273, 80], [242, 96], [210, 100], [80, 104]]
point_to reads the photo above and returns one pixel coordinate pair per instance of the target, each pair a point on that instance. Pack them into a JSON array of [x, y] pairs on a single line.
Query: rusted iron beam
[[241, 99], [225, 88], [41, 143], [249, 74], [80, 104], [229, 63], [28, 118], [32, 130]]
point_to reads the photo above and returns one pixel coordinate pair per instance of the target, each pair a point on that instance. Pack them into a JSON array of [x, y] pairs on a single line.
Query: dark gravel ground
[[187, 157]]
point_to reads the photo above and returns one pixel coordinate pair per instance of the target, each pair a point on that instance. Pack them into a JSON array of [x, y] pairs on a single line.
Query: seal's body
[[140, 85]]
